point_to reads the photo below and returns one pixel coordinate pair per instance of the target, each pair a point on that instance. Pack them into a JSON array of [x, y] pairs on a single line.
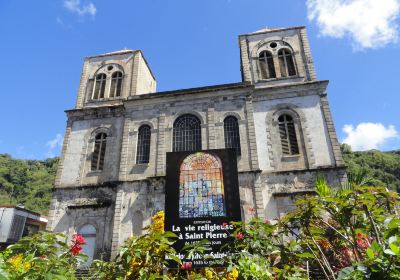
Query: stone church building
[[111, 176]]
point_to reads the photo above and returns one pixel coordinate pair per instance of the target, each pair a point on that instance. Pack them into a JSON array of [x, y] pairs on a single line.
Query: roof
[[268, 29], [21, 209], [113, 53]]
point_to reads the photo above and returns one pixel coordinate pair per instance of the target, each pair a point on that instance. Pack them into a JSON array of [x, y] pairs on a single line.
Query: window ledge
[[290, 157], [142, 164], [94, 173], [281, 80], [104, 99]]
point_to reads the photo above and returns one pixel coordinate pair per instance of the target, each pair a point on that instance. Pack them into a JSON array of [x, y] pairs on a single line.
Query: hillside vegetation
[[381, 168], [29, 182]]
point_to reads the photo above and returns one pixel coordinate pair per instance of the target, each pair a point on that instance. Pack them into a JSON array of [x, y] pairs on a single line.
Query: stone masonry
[[119, 200]]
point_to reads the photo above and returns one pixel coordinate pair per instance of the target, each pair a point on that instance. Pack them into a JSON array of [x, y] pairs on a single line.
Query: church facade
[[111, 176]]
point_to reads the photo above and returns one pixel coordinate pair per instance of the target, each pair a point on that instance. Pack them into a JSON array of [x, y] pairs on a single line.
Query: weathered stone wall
[[72, 208], [160, 113], [311, 133], [279, 190], [75, 163]]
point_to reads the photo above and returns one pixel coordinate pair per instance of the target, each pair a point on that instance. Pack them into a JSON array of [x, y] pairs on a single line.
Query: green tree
[[27, 182]]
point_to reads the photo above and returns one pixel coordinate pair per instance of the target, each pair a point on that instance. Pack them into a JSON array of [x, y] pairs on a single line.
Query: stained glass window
[[201, 187]]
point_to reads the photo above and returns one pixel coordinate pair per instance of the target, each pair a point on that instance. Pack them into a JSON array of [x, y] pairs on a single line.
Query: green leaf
[[370, 253], [394, 248], [345, 272], [389, 252], [170, 234], [306, 255], [321, 187]]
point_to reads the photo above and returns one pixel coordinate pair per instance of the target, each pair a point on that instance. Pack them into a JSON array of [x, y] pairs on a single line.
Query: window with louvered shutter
[[99, 86], [143, 145], [287, 133], [99, 152], [286, 63], [89, 89], [116, 84], [187, 134], [231, 133], [266, 63]]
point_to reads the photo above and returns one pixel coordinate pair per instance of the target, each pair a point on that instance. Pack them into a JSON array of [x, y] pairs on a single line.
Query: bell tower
[[109, 78], [276, 56]]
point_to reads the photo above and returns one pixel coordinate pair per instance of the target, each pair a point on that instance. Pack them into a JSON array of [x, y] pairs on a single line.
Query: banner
[[201, 199]]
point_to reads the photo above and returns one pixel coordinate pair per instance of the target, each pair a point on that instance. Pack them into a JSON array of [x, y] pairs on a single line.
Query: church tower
[[109, 78], [274, 56]]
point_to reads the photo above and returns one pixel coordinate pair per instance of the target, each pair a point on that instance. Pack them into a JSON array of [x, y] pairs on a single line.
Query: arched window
[[116, 84], [99, 86], [143, 144], [231, 132], [266, 63], [187, 134], [201, 187], [89, 233], [99, 151], [286, 63], [287, 134]]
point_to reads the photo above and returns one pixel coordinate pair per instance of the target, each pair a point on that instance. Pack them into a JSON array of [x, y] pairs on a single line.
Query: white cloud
[[61, 22], [54, 144], [369, 23], [367, 136], [75, 6]]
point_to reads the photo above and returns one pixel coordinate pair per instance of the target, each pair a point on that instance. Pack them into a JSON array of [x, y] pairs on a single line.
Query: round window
[[273, 45], [109, 68]]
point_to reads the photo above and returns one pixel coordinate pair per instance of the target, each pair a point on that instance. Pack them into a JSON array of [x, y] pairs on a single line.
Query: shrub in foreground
[[42, 256]]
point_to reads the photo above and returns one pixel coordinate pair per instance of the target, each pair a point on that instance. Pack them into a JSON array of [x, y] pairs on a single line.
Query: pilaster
[[251, 134], [117, 223], [160, 165], [337, 154]]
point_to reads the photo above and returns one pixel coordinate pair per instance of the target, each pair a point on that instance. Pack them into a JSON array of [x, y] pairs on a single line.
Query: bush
[[42, 256], [347, 233]]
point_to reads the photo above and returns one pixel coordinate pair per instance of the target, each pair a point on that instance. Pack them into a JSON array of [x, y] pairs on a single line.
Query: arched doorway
[[89, 233]]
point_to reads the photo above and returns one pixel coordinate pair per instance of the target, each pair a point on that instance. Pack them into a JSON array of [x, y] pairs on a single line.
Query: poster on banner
[[201, 201]]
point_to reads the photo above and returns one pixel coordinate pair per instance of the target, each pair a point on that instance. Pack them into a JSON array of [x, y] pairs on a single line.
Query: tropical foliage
[[43, 256], [27, 182], [347, 233], [381, 168]]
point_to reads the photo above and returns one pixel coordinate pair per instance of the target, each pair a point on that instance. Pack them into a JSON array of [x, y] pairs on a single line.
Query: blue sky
[[192, 43]]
